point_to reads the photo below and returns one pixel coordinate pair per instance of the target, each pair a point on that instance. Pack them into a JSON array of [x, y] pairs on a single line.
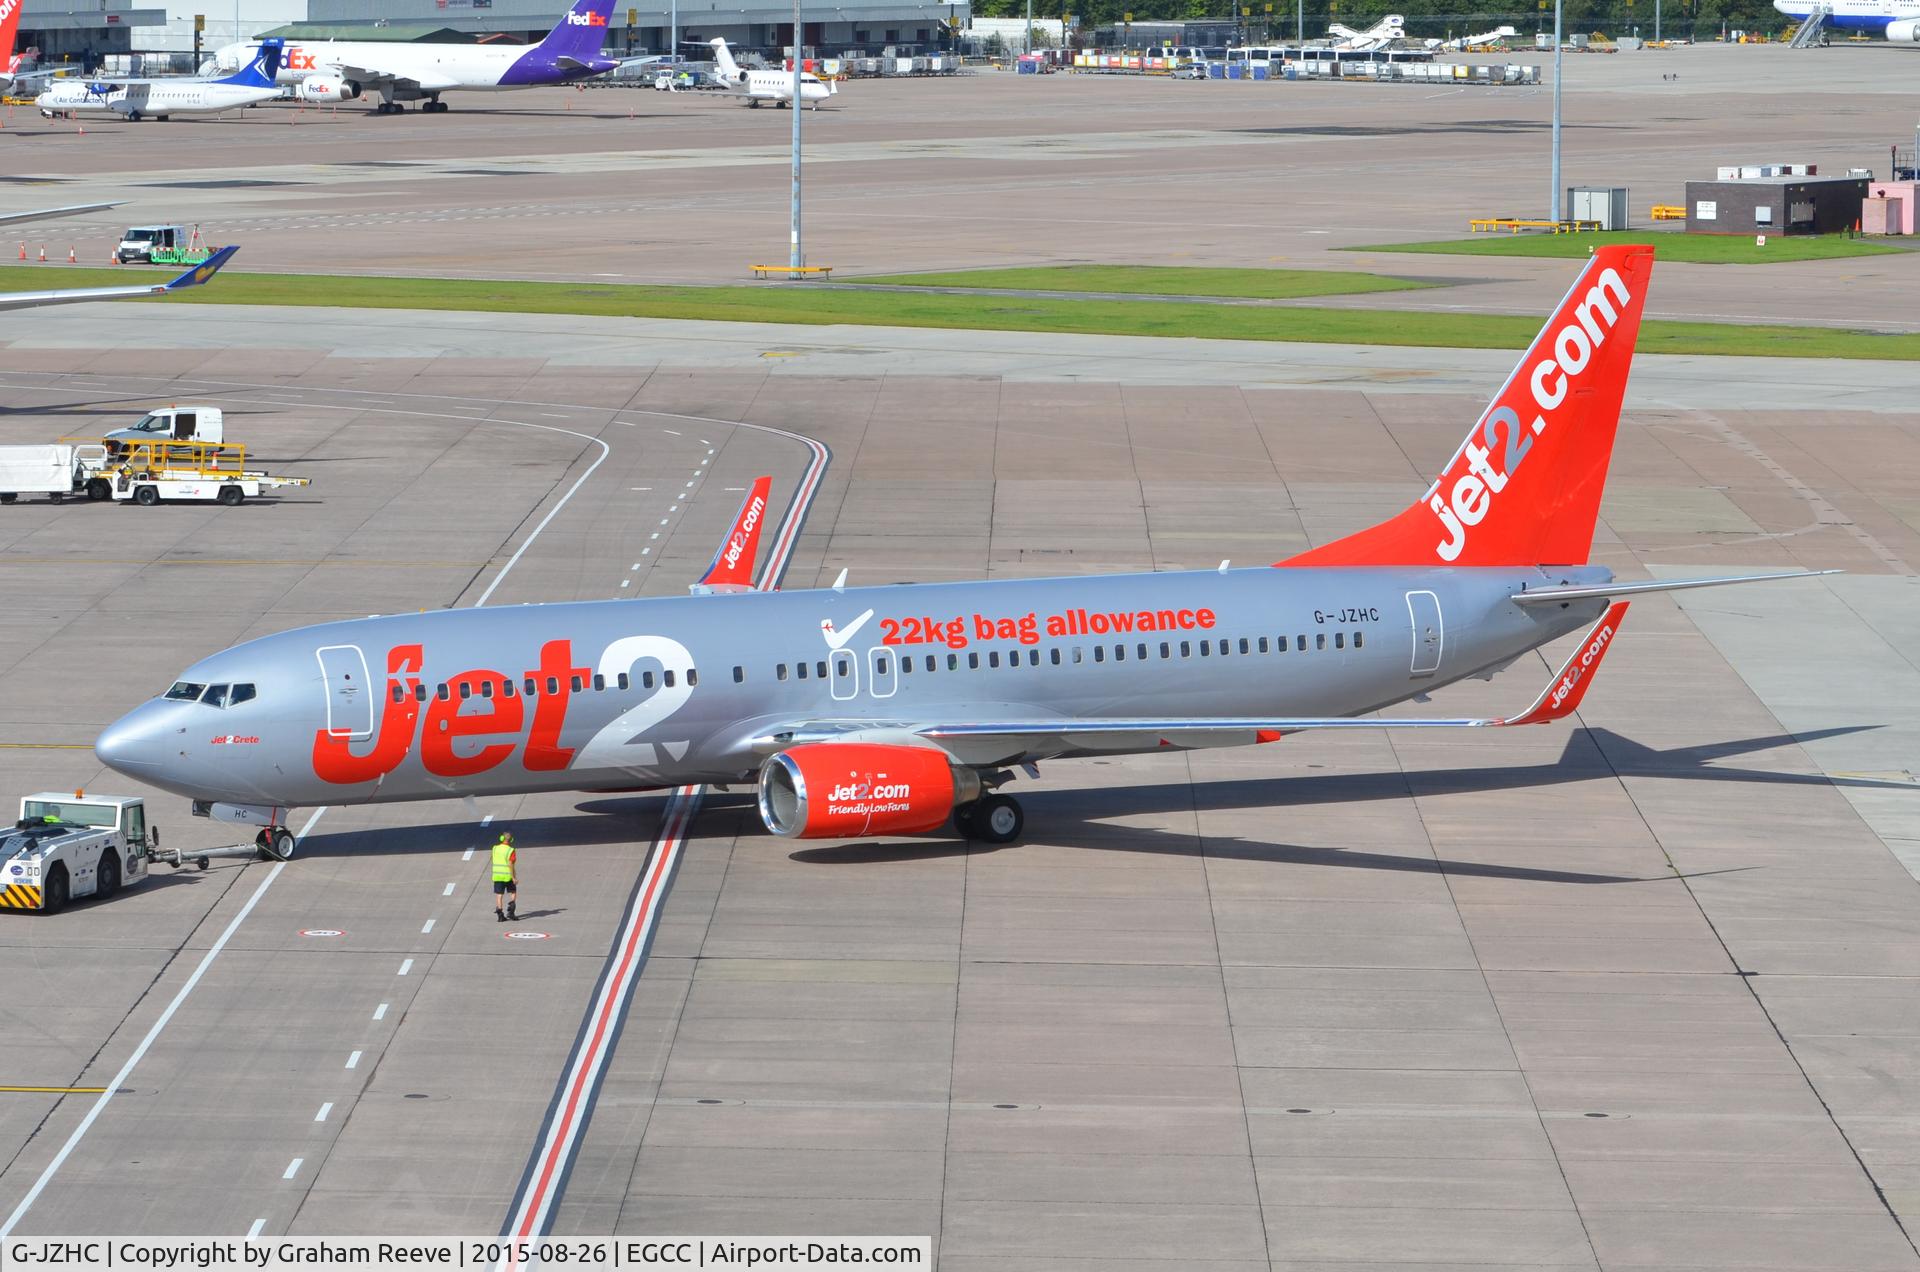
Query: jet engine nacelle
[[848, 790], [1907, 32], [328, 88]]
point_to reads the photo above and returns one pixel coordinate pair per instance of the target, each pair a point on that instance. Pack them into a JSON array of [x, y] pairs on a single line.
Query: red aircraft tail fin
[[1524, 487]]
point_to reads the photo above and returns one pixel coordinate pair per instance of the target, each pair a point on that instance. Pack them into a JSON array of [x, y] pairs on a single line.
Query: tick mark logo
[[837, 640]]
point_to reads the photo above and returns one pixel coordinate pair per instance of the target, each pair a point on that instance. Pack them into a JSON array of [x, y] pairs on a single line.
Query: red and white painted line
[[545, 1179]]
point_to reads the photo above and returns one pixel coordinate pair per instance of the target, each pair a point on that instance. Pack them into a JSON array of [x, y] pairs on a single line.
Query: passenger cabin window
[[1356, 640], [820, 669], [801, 668], [1320, 640], [532, 687], [780, 671], [666, 679], [553, 684], [1339, 640], [419, 693], [693, 676], [973, 662], [185, 691], [623, 680], [466, 691], [578, 684], [486, 688], [399, 693], [599, 682], [739, 675], [442, 694]]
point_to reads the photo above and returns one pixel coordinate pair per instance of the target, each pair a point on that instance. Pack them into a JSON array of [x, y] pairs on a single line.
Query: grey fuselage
[[612, 695]]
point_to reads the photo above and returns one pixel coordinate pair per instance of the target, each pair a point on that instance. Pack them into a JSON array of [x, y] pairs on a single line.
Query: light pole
[[795, 258], [1029, 47], [1553, 204], [1299, 21]]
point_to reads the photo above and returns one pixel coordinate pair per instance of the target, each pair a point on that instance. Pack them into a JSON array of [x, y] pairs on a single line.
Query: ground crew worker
[[506, 877]]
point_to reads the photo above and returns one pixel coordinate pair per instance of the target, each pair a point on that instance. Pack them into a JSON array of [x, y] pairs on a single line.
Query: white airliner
[[1379, 35], [1896, 20], [765, 86], [340, 71], [136, 99], [1494, 36]]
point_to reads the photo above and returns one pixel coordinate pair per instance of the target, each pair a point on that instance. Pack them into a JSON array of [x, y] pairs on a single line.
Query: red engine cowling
[[328, 88], [847, 790]]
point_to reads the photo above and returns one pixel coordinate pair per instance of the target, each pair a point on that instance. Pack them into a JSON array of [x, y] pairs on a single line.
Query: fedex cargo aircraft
[[331, 71], [890, 710]]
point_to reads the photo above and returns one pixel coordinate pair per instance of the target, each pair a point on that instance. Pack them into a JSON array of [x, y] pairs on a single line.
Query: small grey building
[[1775, 205]]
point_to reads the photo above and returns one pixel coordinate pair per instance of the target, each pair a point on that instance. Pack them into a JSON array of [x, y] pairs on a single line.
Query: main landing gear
[[991, 819]]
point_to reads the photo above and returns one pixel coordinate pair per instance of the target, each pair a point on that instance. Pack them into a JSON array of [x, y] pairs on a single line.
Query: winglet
[[1562, 697], [732, 567], [203, 271]]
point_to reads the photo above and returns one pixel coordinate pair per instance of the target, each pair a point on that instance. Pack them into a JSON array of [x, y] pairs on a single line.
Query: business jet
[[1382, 33], [341, 71], [195, 277], [136, 99], [890, 710], [765, 85], [1895, 20]]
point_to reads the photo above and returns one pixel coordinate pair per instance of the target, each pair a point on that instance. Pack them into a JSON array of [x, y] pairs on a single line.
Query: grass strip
[[1161, 280], [801, 304], [1689, 249]]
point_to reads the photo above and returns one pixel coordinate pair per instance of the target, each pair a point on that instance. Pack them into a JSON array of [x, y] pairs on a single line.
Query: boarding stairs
[[1810, 31]]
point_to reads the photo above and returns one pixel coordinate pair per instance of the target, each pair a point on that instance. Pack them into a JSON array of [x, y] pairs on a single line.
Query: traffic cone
[[23, 251], [113, 257], [71, 258]]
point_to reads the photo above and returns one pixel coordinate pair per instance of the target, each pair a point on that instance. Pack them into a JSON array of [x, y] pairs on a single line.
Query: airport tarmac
[[1638, 993], [992, 169]]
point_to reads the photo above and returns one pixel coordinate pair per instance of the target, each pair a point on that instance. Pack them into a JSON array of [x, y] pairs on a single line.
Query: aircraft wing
[[731, 569], [373, 77], [193, 277], [1014, 740], [47, 214]]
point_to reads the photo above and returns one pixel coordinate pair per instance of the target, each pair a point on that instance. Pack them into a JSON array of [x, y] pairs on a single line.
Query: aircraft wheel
[[8, 498], [53, 896], [98, 489], [133, 116], [275, 843], [232, 496], [146, 496], [997, 819], [963, 819], [107, 881]]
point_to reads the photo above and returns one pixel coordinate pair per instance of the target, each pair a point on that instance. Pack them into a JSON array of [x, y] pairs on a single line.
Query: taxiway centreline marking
[[254, 1231], [146, 1043], [325, 1109]]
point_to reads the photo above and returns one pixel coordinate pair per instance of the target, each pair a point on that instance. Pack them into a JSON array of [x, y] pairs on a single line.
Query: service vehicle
[[169, 472], [65, 847], [173, 423], [161, 245], [69, 847], [56, 471]]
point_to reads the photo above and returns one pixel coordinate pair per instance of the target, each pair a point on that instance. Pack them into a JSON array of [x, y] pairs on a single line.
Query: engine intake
[[1907, 32], [850, 790], [328, 88]]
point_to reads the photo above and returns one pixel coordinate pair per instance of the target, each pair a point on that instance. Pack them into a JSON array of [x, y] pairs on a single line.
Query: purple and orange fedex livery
[[338, 71], [889, 710]]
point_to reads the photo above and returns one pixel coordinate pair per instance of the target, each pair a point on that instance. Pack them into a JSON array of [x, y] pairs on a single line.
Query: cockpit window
[[185, 691], [216, 696], [240, 694]]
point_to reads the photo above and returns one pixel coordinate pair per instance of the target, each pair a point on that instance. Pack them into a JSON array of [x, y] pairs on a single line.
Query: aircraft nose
[[132, 743]]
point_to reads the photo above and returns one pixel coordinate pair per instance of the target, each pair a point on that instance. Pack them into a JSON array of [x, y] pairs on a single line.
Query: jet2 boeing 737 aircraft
[[887, 710]]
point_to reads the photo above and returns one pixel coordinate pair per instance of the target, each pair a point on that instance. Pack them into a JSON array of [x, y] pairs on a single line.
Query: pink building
[[1906, 192]]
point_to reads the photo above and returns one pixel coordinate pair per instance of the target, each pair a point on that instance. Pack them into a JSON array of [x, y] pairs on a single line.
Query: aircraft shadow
[[632, 820]]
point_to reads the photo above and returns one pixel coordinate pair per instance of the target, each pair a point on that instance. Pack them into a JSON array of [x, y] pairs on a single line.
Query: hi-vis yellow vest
[[502, 863]]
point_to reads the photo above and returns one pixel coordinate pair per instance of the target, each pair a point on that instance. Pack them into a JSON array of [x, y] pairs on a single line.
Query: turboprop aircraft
[[161, 98], [1379, 35], [766, 85], [888, 710]]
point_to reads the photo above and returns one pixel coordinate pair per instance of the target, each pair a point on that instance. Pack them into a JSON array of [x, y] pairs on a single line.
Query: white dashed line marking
[[380, 1012], [426, 927], [467, 855], [254, 1231], [487, 820], [654, 535], [646, 552], [353, 1061], [447, 891], [293, 1168], [325, 1109], [640, 488], [734, 490], [626, 582], [405, 967], [669, 432]]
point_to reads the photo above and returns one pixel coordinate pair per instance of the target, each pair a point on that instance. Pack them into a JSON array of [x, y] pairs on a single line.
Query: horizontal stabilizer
[[1602, 591]]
